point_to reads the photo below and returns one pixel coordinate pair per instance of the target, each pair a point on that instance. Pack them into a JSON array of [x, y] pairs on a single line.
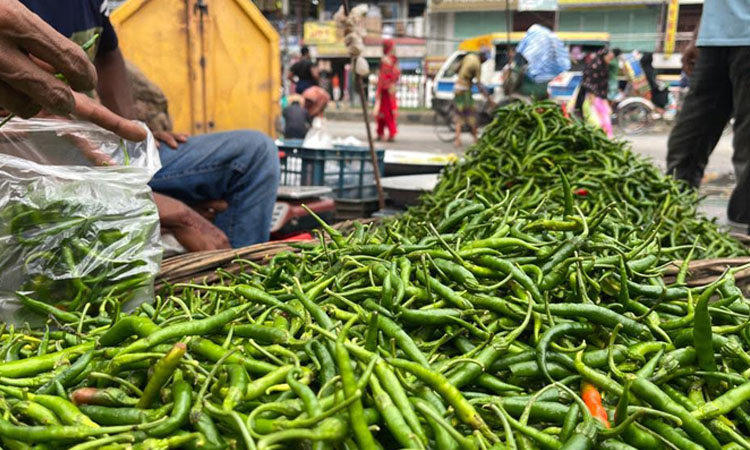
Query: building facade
[[632, 24]]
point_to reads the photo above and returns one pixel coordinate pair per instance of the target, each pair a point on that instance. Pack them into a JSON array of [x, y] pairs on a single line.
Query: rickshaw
[[560, 89]]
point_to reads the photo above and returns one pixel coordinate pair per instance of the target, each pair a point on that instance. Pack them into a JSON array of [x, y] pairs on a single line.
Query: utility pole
[[508, 26]]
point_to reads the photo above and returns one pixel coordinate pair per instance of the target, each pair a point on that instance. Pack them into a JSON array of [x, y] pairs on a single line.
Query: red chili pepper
[[86, 396], [593, 401], [565, 111], [582, 192]]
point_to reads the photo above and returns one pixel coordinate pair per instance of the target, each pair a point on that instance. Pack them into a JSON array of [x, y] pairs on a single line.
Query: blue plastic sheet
[[546, 54]]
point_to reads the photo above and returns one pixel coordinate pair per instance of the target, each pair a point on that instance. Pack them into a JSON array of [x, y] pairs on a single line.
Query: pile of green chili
[[489, 326], [72, 252], [524, 148]]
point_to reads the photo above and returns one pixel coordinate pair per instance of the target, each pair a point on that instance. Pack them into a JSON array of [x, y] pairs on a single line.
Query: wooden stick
[[363, 101]]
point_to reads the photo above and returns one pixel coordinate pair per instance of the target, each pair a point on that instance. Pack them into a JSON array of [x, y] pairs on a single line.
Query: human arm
[[27, 86], [36, 62], [191, 229], [690, 54], [294, 72], [114, 87], [477, 75]]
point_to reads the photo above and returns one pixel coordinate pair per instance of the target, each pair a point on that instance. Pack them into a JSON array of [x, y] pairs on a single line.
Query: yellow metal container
[[216, 60]]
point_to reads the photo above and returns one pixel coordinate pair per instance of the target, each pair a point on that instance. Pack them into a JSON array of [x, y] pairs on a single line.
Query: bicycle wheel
[[634, 118], [444, 122]]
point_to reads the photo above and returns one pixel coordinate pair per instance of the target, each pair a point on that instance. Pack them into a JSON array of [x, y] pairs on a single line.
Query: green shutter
[[476, 23], [631, 28]]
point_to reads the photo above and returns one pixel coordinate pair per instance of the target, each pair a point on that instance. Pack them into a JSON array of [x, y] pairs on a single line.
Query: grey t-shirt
[[725, 23], [296, 121]]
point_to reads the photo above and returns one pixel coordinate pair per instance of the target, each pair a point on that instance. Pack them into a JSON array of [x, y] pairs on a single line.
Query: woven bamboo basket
[[201, 266]]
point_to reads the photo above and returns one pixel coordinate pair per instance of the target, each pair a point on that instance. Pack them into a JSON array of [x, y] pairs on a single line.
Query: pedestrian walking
[[304, 73], [594, 89], [385, 94], [463, 97], [718, 63]]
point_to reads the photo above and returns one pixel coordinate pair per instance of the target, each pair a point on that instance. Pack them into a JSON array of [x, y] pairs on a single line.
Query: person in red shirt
[[385, 95]]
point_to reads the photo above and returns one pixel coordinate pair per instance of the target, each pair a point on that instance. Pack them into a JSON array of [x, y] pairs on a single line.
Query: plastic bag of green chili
[[78, 224]]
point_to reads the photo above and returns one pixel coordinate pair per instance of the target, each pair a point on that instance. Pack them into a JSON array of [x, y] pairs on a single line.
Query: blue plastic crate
[[347, 170]]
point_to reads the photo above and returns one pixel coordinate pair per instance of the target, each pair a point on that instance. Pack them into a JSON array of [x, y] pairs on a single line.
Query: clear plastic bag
[[318, 135], [78, 224]]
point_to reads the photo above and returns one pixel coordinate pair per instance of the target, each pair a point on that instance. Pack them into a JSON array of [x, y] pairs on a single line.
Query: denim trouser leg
[[241, 167]]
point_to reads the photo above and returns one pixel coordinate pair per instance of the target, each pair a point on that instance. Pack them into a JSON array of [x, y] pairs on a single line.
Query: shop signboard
[[316, 33], [670, 32], [324, 39]]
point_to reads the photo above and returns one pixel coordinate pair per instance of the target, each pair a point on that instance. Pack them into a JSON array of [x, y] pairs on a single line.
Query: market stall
[[554, 290]]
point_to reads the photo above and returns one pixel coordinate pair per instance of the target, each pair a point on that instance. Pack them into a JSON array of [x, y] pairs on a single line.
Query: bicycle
[[637, 115], [444, 120]]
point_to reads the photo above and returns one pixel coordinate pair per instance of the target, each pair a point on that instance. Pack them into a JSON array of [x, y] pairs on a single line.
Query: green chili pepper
[[162, 371]]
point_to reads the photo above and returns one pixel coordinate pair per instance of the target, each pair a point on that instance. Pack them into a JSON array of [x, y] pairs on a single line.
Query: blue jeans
[[240, 167]]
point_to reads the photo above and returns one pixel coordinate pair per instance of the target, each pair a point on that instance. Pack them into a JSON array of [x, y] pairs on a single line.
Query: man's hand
[[25, 87], [689, 57], [89, 109], [211, 208], [194, 232], [171, 139]]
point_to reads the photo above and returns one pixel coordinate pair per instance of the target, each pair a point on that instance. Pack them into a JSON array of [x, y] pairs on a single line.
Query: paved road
[[719, 172], [422, 138]]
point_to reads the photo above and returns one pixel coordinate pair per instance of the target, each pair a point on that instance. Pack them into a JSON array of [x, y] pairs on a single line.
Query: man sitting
[[235, 173]]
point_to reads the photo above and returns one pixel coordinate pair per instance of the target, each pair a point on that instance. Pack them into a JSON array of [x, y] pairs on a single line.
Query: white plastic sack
[[546, 54], [78, 223], [318, 135]]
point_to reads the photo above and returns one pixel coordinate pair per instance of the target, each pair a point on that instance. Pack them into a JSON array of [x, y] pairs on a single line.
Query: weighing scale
[[290, 220]]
